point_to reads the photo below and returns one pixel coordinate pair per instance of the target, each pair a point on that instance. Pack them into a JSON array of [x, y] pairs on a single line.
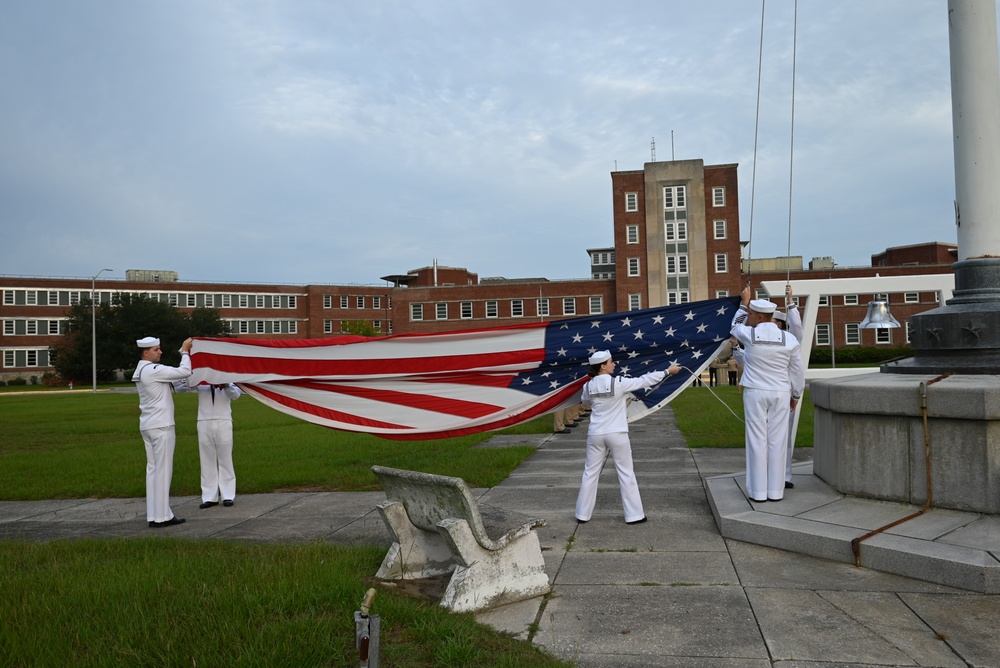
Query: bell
[[878, 317]]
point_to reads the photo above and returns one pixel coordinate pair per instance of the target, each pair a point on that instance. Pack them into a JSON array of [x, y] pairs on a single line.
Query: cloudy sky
[[320, 141]]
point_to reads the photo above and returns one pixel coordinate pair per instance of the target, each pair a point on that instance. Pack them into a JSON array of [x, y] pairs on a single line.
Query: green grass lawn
[[170, 601]]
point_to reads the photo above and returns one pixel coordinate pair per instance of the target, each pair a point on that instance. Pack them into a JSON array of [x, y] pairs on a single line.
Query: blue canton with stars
[[689, 335]]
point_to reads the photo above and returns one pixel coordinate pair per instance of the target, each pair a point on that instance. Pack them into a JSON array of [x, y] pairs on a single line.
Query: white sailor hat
[[600, 357], [147, 342], [778, 315], [762, 306]]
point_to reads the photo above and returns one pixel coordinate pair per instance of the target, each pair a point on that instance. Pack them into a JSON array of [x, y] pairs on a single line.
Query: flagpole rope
[[756, 131], [791, 148], [721, 401]]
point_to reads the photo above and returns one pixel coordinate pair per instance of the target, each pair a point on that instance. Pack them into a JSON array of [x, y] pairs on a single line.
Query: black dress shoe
[[637, 521], [789, 485], [169, 523], [561, 431], [759, 500], [773, 500], [208, 504], [227, 503], [579, 521]]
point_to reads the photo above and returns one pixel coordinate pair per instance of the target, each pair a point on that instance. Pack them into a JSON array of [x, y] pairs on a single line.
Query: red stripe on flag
[[325, 413], [428, 402]]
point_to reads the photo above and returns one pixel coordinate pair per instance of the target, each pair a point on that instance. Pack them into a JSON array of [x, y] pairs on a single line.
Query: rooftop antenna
[[652, 148], [672, 158]]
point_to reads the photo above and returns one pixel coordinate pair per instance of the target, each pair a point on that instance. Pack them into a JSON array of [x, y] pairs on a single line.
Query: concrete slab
[[670, 569]]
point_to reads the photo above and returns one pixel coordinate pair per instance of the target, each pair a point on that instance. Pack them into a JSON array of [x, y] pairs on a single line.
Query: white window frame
[[852, 334], [492, 308], [631, 202], [635, 302], [719, 294], [466, 310], [416, 312], [824, 300], [345, 301], [517, 308], [633, 266], [883, 336], [823, 334], [376, 302], [631, 234], [720, 229], [542, 305], [441, 311], [850, 300], [718, 196], [569, 305], [911, 298], [596, 305], [359, 302], [328, 326], [721, 263]]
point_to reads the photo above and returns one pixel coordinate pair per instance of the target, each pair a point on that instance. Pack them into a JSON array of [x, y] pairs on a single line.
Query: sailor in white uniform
[[155, 383], [215, 441], [607, 396], [773, 382]]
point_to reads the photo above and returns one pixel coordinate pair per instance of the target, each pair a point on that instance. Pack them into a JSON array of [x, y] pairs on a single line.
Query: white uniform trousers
[[159, 470], [790, 446], [766, 442], [215, 446], [598, 447]]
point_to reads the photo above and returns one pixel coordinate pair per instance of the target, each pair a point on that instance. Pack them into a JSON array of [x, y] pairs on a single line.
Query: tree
[[358, 327], [129, 317]]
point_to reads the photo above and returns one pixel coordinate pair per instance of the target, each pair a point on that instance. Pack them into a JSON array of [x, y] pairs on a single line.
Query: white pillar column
[[975, 101]]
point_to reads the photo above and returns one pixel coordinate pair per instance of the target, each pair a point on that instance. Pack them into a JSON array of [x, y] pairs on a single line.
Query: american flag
[[425, 386]]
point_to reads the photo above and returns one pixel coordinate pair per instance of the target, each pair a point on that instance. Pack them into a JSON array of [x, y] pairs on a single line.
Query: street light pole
[[93, 326]]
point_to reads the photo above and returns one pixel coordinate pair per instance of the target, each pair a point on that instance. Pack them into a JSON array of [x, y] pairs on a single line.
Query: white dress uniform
[[608, 431], [215, 439], [156, 424], [772, 375], [793, 323]]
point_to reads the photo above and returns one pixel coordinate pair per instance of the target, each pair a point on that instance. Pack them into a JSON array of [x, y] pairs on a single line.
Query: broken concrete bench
[[438, 527]]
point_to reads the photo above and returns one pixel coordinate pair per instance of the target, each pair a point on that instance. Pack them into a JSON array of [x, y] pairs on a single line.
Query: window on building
[[244, 301], [911, 298], [824, 300], [343, 301], [209, 301], [292, 301], [53, 298], [53, 327], [492, 311], [517, 308], [377, 325], [760, 293], [327, 301], [852, 334], [632, 234], [850, 300], [682, 263], [416, 311], [634, 302], [466, 310], [882, 297], [328, 326], [192, 300], [260, 327], [227, 301], [718, 196], [721, 263], [671, 264], [685, 296], [260, 301], [31, 327], [682, 231], [376, 302], [674, 197], [8, 328], [8, 358], [907, 326], [569, 306], [883, 336], [543, 306], [720, 229], [360, 302], [670, 231], [633, 266], [8, 298], [823, 334], [31, 298], [596, 305], [32, 358], [441, 311], [631, 201], [719, 294]]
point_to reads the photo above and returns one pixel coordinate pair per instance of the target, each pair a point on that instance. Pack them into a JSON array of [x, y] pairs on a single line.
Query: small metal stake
[[366, 632]]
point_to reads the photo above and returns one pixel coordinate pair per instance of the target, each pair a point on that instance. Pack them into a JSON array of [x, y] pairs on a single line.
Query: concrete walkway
[[670, 592]]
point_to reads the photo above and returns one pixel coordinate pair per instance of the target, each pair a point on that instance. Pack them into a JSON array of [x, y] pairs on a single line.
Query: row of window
[[852, 334], [344, 326], [263, 326], [188, 299], [359, 301], [24, 327], [492, 308], [678, 264], [19, 359], [853, 300], [674, 198]]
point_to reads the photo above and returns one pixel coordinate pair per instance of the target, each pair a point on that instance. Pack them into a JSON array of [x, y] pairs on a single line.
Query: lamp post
[[93, 326]]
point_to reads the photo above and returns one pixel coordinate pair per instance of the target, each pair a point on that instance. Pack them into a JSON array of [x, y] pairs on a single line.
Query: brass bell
[[879, 317]]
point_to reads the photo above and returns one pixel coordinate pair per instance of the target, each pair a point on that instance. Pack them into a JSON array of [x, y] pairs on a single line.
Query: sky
[[329, 142]]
